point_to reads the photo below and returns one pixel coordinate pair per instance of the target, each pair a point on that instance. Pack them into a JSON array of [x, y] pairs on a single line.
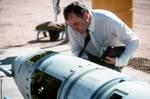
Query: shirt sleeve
[[130, 48], [126, 36]]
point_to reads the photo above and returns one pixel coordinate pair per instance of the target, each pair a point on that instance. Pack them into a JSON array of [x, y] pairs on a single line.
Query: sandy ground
[[142, 26], [18, 19]]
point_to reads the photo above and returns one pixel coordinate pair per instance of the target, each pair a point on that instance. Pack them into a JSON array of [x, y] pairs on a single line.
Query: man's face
[[79, 24]]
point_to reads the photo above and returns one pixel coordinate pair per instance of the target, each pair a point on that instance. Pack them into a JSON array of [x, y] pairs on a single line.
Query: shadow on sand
[[6, 61]]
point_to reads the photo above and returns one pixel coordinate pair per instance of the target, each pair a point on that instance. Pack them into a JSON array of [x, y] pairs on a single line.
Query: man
[[105, 29]]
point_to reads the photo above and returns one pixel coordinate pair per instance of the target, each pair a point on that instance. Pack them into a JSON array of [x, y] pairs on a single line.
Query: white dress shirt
[[106, 29]]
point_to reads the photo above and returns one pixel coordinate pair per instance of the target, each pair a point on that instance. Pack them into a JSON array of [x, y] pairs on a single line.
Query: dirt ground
[[141, 23], [18, 19]]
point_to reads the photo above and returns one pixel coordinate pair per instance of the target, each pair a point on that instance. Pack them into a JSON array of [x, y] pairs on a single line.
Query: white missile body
[[50, 75]]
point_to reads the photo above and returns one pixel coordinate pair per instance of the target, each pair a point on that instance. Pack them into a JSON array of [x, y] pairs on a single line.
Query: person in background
[[103, 29]]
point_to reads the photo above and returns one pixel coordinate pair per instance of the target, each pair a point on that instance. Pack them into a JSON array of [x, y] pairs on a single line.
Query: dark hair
[[76, 8]]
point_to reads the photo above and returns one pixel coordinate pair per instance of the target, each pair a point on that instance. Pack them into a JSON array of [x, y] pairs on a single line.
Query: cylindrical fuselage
[[43, 73]]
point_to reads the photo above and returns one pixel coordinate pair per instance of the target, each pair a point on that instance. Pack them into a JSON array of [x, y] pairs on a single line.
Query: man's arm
[[75, 43], [130, 48], [126, 36]]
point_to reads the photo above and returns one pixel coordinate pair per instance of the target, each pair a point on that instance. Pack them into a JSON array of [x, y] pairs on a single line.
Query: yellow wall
[[122, 8]]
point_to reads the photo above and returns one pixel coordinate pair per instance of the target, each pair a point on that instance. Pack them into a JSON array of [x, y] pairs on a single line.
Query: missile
[[50, 75]]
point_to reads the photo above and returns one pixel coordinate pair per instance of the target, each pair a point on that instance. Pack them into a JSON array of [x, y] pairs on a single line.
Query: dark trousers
[[97, 60]]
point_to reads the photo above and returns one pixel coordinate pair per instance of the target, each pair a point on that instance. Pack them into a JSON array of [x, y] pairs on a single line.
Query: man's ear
[[86, 16]]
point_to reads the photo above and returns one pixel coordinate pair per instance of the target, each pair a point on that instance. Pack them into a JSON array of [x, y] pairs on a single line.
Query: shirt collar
[[92, 23]]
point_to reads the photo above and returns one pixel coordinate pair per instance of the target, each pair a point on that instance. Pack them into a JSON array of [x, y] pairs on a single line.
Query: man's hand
[[110, 60]]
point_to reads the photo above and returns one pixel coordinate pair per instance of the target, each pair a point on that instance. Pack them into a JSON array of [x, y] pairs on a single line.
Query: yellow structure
[[122, 8]]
